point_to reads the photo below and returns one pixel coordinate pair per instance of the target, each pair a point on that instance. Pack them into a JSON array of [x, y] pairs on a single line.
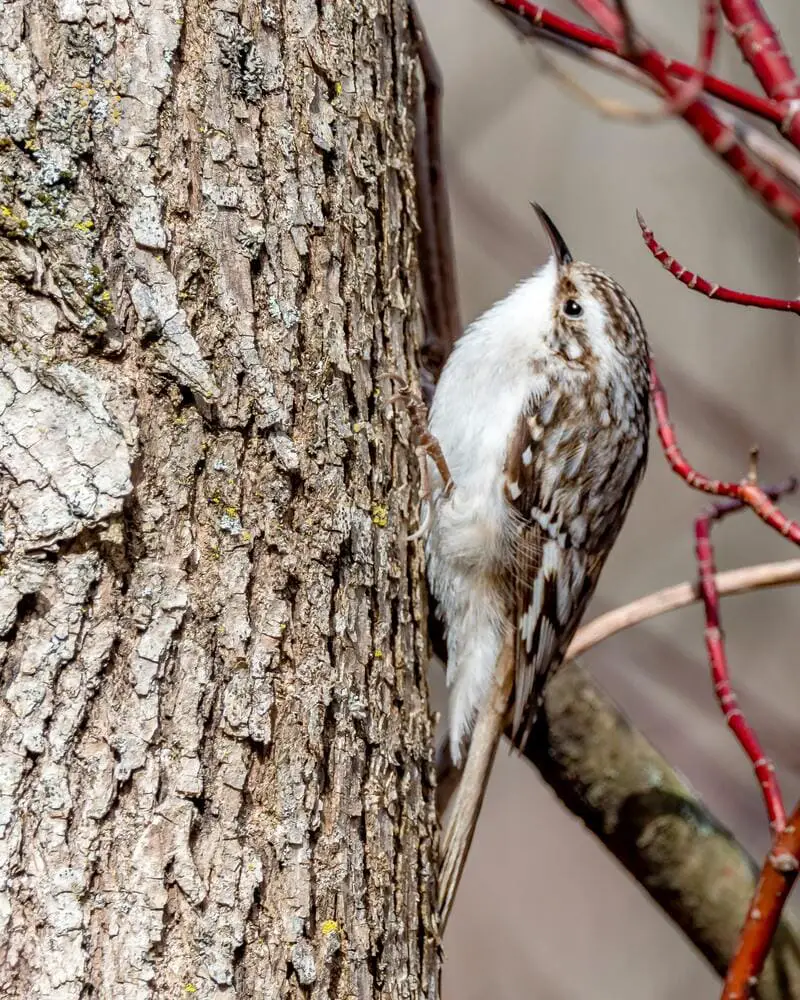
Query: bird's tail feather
[[469, 796], [521, 735]]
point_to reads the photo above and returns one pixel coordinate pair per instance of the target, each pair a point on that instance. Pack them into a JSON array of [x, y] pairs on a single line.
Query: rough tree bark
[[215, 766]]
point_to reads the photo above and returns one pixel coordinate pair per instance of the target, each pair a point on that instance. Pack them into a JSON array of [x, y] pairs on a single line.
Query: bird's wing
[[553, 578]]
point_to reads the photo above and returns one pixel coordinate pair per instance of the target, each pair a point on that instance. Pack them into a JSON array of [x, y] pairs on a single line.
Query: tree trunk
[[215, 770]]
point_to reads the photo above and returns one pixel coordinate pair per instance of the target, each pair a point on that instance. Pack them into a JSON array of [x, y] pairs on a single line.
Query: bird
[[535, 444]]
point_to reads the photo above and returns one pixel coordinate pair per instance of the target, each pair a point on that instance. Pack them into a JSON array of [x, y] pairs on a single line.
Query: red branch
[[737, 97], [762, 48], [748, 492], [613, 24], [607, 20], [708, 288], [709, 15], [775, 882], [718, 136], [780, 868], [718, 659]]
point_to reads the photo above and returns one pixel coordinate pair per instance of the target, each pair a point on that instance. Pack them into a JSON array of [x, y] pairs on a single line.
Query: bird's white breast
[[481, 393]]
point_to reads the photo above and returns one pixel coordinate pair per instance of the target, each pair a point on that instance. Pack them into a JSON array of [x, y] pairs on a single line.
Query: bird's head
[[591, 312]]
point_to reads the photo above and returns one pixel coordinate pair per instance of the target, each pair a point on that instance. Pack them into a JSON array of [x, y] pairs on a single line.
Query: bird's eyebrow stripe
[[567, 289]]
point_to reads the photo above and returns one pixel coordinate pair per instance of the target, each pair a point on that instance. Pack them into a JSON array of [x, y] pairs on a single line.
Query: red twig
[[761, 46], [717, 656], [748, 492], [737, 97], [755, 35], [713, 291], [775, 882], [689, 92], [611, 22], [605, 18], [718, 136]]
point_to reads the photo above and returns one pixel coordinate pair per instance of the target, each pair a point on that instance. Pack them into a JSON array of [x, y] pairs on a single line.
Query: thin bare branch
[[777, 155], [437, 256], [780, 198], [674, 105], [736, 581]]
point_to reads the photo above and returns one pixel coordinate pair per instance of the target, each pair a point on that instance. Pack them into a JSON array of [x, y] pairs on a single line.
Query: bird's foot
[[428, 443]]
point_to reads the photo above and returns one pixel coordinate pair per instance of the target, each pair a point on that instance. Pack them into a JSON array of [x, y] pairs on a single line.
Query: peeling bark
[[216, 774]]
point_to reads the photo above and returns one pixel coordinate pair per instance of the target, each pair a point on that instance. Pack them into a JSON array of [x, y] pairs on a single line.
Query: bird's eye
[[572, 308]]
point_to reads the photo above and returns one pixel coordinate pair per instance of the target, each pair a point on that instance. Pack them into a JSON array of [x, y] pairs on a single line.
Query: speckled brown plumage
[[572, 468]]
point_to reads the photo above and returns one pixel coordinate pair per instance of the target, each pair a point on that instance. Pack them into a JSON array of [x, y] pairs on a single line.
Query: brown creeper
[[542, 417]]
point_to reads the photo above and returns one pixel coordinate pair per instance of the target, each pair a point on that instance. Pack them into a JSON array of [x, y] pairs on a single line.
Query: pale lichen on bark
[[215, 766]]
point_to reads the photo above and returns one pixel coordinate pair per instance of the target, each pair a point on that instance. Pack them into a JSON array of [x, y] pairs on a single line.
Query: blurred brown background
[[543, 911]]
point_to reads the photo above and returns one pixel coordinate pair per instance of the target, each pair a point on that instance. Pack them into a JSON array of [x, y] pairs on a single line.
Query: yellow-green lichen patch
[[12, 224], [380, 514], [7, 94]]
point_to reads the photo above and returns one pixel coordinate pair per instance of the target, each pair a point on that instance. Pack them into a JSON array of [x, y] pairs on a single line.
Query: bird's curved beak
[[560, 249]]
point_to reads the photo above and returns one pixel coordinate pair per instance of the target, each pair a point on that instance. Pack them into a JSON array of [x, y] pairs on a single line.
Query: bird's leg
[[428, 443], [469, 794], [428, 447]]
